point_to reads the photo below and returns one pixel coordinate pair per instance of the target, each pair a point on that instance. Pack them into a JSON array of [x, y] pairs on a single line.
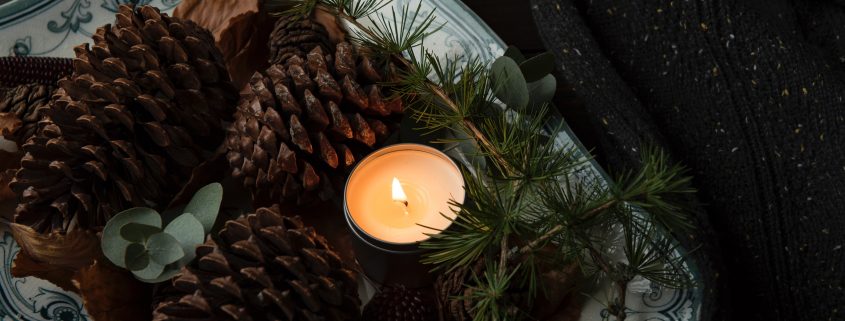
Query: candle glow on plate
[[389, 195]]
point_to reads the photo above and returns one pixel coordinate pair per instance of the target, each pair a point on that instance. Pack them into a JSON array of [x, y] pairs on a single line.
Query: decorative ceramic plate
[[54, 27]]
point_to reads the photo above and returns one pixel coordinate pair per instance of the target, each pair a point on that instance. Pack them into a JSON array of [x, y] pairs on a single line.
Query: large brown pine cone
[[25, 102], [302, 124], [143, 107], [264, 266]]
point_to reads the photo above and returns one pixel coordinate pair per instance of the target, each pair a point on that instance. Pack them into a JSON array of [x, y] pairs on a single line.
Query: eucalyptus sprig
[[533, 204], [155, 247]]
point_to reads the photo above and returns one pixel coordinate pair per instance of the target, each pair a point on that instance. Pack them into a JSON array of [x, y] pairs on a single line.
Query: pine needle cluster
[[532, 204]]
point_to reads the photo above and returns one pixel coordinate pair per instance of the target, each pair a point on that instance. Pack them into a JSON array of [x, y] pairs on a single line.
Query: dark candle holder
[[386, 262]]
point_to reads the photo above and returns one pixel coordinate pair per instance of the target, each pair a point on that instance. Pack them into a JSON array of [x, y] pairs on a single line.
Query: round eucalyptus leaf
[[508, 83], [138, 233], [170, 214], [188, 231], [538, 66], [164, 249], [205, 205], [113, 244], [152, 271], [515, 54], [542, 90], [168, 273], [136, 257]]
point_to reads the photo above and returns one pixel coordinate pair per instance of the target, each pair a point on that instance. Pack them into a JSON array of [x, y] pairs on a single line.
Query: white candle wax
[[428, 180]]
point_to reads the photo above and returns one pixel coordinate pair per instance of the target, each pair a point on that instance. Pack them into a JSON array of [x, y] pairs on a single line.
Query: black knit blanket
[[751, 96]]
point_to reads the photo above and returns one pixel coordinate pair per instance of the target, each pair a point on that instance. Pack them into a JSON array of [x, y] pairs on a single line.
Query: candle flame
[[398, 192]]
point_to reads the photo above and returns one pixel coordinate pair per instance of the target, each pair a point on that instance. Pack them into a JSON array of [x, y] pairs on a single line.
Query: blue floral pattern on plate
[[54, 27]]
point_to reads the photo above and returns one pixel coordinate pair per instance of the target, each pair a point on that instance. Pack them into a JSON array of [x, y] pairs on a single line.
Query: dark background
[[512, 21]]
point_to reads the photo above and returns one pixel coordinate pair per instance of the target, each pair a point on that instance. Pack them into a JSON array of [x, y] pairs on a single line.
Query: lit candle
[[402, 192], [395, 198]]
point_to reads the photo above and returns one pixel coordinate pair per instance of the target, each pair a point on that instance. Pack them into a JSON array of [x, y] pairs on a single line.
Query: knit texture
[[749, 95]]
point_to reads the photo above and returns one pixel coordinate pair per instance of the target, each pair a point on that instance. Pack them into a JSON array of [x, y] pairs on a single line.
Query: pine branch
[[433, 88], [524, 196], [557, 229]]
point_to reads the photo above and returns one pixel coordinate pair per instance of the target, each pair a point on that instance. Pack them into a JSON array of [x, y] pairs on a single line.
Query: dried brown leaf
[[74, 250], [240, 28], [24, 266], [110, 293]]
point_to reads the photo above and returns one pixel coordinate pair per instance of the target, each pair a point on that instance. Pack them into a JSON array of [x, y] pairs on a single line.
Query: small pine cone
[[454, 298], [397, 303], [294, 35], [264, 266], [25, 102], [449, 287], [305, 122], [144, 106], [16, 71]]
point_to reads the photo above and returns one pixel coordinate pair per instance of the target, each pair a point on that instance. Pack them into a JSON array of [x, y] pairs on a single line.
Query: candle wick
[[405, 203]]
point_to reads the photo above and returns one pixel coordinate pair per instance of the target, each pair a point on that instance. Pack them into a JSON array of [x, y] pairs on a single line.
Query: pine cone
[[143, 107], [300, 124], [294, 35], [397, 303], [25, 102], [454, 296], [265, 266], [451, 286], [16, 71]]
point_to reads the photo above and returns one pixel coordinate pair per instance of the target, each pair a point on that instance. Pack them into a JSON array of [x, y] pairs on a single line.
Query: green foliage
[[489, 294], [660, 188], [135, 239], [522, 82], [358, 9], [205, 204], [511, 87], [114, 245], [528, 192], [515, 54], [138, 233], [351, 8], [301, 8], [396, 34], [189, 232], [136, 257], [531, 205], [538, 66], [542, 90]]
